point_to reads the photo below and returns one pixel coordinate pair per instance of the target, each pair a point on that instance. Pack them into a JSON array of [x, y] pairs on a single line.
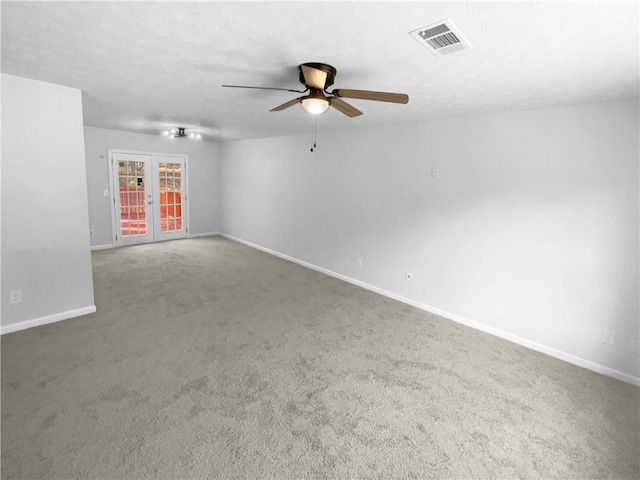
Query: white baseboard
[[57, 317], [207, 234], [567, 357], [101, 247], [191, 235]]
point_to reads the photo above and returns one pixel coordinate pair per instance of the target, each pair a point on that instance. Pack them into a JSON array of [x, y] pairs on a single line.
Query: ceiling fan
[[317, 77]]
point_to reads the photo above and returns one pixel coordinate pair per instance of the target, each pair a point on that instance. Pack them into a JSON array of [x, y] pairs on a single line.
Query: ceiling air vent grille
[[441, 38]]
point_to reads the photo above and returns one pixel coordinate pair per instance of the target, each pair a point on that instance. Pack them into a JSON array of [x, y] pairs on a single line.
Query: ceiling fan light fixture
[[315, 105]]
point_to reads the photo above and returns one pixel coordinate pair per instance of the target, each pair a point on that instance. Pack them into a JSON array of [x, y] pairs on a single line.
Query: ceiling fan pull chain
[[315, 131]]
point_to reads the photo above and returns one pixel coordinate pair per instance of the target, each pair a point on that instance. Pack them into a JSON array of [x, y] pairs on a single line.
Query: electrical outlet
[[408, 276], [434, 172], [608, 336], [91, 232], [15, 296], [358, 263]]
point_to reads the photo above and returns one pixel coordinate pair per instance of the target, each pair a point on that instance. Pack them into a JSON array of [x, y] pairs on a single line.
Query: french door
[[149, 198]]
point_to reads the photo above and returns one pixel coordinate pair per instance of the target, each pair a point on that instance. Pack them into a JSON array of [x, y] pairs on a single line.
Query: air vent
[[441, 38]]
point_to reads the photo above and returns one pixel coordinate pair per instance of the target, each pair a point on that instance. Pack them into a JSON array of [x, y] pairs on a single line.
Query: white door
[[149, 198], [169, 213], [133, 198]]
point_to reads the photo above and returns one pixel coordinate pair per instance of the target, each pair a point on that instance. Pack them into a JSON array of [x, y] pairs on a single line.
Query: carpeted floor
[[208, 359]]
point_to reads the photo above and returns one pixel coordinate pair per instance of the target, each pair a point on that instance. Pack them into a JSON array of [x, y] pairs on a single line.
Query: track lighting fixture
[[179, 132]]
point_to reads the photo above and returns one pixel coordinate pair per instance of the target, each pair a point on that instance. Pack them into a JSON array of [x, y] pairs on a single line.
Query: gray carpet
[[208, 359]]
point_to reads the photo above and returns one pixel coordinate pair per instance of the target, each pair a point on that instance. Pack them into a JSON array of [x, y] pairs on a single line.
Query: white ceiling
[[147, 66]]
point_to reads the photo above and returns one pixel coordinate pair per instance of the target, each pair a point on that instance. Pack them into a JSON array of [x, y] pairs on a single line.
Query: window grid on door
[[170, 197], [133, 205]]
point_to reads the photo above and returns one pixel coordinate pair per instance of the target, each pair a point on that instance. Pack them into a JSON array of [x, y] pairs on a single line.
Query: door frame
[[112, 188]]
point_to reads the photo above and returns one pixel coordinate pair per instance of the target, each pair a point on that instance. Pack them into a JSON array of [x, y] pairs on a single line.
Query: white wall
[[529, 232], [45, 228], [202, 176]]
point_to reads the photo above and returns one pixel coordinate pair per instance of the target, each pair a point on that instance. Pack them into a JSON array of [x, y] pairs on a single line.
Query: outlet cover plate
[[608, 336], [15, 296]]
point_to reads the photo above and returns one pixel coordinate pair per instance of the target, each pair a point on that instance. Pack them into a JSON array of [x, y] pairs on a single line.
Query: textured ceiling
[[148, 66]]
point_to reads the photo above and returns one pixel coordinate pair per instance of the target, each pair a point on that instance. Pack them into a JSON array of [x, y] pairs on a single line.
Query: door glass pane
[[123, 221], [133, 222], [133, 207], [170, 197]]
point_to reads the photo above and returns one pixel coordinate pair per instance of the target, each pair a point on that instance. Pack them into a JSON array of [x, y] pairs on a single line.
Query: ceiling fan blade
[[290, 103], [344, 107], [370, 95], [265, 88], [313, 77]]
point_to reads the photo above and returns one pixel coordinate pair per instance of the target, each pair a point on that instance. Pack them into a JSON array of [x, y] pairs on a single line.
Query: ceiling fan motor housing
[[328, 69]]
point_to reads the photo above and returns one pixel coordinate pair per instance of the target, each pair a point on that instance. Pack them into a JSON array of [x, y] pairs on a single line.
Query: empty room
[[320, 240]]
